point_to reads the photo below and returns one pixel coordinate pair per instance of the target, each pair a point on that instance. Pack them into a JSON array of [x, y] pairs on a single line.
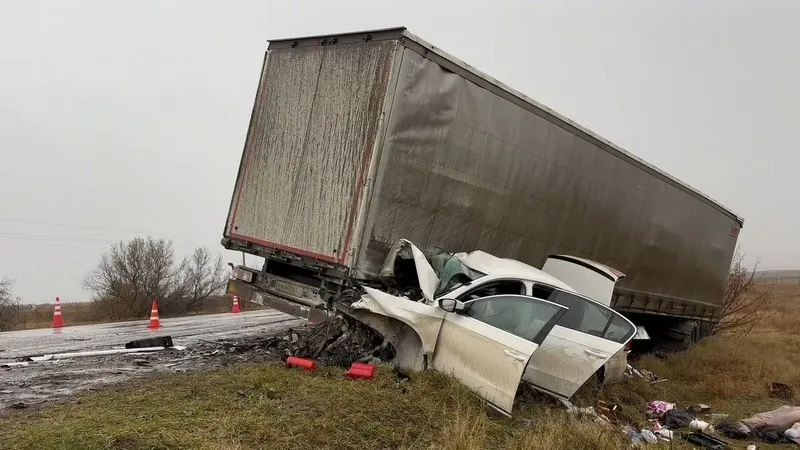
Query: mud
[[212, 341]]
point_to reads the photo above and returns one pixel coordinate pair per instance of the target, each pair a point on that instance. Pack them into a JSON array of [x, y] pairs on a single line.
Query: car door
[[487, 346], [585, 338]]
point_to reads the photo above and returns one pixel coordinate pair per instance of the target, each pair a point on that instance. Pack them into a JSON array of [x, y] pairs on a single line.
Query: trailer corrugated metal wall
[[464, 169], [309, 145]]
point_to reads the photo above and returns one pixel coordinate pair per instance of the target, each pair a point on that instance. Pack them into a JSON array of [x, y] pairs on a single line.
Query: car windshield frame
[[460, 285]]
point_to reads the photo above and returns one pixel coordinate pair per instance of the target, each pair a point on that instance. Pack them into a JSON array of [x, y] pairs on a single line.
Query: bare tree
[[132, 273], [745, 296], [9, 305], [204, 277]]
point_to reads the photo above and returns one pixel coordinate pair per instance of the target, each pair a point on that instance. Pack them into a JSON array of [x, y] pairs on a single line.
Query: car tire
[[680, 336]]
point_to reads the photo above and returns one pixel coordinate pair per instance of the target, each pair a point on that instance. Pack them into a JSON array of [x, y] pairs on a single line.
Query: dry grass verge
[[268, 406]]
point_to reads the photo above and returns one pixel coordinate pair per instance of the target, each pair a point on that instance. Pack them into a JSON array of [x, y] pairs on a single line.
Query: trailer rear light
[[242, 274], [628, 346]]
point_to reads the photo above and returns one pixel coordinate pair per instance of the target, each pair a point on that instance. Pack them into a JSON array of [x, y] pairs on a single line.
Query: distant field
[[779, 277], [82, 313]]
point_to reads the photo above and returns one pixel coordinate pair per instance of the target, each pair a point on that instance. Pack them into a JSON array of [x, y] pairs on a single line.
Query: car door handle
[[514, 355], [591, 352]]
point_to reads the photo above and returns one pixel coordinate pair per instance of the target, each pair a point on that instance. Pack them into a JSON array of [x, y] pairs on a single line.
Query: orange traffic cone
[[154, 322], [236, 309], [58, 319]]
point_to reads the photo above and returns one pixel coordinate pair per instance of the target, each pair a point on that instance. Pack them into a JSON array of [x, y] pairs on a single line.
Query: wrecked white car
[[492, 322]]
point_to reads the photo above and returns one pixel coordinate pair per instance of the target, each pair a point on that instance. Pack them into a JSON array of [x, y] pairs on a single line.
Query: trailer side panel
[[464, 168]]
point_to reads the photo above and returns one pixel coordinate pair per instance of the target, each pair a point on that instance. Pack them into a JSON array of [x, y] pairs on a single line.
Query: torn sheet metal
[[426, 278], [424, 319]]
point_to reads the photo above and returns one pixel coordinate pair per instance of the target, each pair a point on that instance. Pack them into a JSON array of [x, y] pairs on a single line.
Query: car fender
[[424, 319]]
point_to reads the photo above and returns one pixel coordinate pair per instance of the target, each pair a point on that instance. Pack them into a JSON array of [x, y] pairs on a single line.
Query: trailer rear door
[[309, 146]]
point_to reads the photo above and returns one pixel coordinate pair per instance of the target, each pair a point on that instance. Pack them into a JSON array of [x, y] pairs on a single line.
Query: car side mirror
[[451, 305]]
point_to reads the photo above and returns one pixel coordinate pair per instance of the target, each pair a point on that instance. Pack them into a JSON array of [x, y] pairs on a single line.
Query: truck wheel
[[705, 329], [679, 337]]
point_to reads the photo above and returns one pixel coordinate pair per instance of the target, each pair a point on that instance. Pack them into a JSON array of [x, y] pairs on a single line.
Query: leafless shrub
[[744, 299], [204, 276], [9, 305], [132, 273]]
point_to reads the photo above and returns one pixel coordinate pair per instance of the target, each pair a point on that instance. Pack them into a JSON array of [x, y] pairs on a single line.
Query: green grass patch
[[269, 406]]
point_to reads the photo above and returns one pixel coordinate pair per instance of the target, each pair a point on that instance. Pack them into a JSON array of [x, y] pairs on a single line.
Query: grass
[[269, 406]]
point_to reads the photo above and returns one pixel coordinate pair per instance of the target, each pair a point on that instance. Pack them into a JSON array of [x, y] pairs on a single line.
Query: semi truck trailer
[[359, 140]]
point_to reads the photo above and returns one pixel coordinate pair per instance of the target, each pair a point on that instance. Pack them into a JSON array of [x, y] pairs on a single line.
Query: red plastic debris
[[305, 364], [361, 371]]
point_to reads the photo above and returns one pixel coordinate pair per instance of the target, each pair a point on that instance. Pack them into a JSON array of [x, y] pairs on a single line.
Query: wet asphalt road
[[184, 331], [42, 382]]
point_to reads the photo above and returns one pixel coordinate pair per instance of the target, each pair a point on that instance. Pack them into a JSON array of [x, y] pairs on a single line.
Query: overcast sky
[[121, 118]]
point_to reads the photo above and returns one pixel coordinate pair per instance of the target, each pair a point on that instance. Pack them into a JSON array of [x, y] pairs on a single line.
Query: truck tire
[[678, 337]]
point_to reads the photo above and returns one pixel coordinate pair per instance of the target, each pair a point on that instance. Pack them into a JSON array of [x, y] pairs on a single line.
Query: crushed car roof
[[492, 265]]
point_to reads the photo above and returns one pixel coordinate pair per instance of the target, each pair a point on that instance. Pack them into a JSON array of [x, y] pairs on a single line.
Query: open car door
[[585, 339], [487, 345]]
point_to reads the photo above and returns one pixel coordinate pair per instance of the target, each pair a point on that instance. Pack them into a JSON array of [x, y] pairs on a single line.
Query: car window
[[583, 315], [522, 316], [542, 291], [619, 330], [499, 287]]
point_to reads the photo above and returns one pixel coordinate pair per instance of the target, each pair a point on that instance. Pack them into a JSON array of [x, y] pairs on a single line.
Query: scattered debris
[[606, 410], [658, 408], [779, 419], [649, 437], [775, 427], [93, 353], [631, 371], [339, 341], [303, 363], [6, 392], [700, 425], [733, 430], [142, 362], [707, 441], [19, 405], [637, 440], [793, 433], [158, 341], [780, 390], [361, 371], [664, 434], [587, 412], [677, 418], [10, 365]]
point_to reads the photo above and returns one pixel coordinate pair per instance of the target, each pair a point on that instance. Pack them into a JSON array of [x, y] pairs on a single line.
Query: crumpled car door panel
[[487, 359], [566, 359], [588, 336]]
